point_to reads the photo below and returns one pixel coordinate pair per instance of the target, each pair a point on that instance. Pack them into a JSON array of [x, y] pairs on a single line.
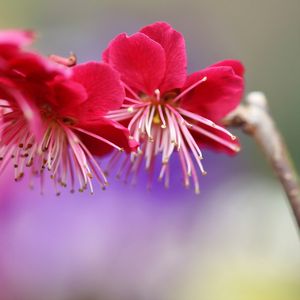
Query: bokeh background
[[237, 240]]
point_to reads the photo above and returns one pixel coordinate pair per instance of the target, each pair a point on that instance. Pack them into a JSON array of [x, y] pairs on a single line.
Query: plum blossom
[[53, 117], [165, 109]]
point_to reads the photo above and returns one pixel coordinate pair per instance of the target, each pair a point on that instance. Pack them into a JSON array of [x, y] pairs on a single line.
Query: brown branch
[[254, 119]]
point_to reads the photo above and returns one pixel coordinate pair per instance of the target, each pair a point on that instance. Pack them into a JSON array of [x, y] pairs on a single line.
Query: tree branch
[[254, 119]]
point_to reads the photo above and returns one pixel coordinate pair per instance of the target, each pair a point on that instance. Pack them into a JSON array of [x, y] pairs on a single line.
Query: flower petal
[[103, 87], [105, 54], [140, 60], [35, 66], [16, 95], [10, 43], [67, 94], [30, 111], [174, 46], [218, 95], [16, 38], [110, 130], [236, 65]]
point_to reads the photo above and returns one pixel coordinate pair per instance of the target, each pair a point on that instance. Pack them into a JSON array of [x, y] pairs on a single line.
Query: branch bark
[[254, 118]]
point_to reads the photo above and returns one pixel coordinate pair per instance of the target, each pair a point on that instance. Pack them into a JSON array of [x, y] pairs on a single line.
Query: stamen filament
[[216, 138], [100, 138], [162, 118], [149, 122], [133, 100], [205, 121], [157, 94], [131, 91], [183, 93]]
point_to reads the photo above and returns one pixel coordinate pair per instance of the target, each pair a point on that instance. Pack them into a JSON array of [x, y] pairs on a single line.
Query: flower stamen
[[183, 93], [100, 138], [161, 116], [157, 94], [131, 91]]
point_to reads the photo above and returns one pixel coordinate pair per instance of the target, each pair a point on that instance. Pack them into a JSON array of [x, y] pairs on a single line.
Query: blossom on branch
[[53, 117], [165, 109]]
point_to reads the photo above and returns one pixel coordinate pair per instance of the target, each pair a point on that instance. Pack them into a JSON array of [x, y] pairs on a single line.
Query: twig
[[254, 119]]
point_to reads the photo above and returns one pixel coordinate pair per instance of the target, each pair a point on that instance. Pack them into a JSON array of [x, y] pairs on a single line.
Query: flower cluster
[[56, 117]]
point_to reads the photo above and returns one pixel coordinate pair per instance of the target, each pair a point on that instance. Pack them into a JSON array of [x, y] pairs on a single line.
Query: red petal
[[67, 94], [236, 65], [140, 60], [35, 66], [215, 97], [110, 130], [103, 88], [105, 54], [30, 111], [17, 38], [174, 46], [10, 43], [6, 82]]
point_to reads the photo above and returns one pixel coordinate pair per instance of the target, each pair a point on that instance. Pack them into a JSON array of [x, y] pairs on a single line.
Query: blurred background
[[237, 240]]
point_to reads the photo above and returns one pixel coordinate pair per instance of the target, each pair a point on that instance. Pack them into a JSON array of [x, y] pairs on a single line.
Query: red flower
[[54, 117], [167, 110]]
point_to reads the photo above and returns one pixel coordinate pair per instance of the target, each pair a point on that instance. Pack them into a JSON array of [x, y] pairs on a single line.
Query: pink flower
[[165, 109], [53, 117]]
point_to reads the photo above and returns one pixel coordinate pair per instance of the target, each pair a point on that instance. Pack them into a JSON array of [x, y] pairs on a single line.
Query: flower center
[[161, 126], [159, 103], [158, 99], [50, 115], [59, 150]]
